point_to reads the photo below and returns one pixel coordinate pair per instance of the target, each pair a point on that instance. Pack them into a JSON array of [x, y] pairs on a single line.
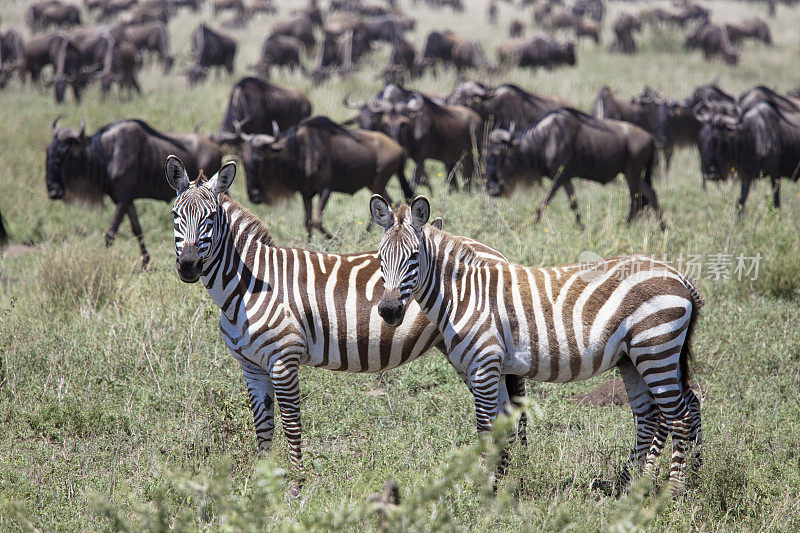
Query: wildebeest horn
[[276, 131], [500, 136], [701, 112], [83, 128], [376, 105], [260, 140], [513, 127], [416, 102], [53, 125], [346, 101]]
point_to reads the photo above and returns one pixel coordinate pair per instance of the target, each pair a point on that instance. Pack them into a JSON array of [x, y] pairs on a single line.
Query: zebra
[[556, 324], [286, 307]]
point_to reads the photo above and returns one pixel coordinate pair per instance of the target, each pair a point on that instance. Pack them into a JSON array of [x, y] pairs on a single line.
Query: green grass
[[119, 404]]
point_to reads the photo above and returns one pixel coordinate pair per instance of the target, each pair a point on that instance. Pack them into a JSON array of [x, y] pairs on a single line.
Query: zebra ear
[[381, 212], [222, 180], [437, 223], [176, 174], [420, 212]]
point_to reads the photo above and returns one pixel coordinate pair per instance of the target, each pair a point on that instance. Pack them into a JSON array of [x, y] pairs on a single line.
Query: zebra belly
[[555, 367]]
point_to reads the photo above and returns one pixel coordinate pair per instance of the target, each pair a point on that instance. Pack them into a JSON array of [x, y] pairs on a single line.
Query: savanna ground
[[121, 408]]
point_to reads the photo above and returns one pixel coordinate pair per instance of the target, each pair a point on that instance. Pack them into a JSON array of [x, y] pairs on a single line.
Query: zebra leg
[[646, 416], [516, 391], [285, 380], [260, 391], [485, 384]]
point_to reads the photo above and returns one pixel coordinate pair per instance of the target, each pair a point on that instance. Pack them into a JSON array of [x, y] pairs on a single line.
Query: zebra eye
[[414, 256]]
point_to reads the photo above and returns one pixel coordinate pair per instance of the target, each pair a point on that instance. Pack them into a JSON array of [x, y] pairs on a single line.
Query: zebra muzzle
[[189, 264], [391, 309]]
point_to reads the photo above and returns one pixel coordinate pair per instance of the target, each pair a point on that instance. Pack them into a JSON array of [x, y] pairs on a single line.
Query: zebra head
[[194, 211], [399, 253]]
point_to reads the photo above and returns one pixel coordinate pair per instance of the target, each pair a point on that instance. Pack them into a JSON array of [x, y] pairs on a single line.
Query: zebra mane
[[463, 250], [247, 222]]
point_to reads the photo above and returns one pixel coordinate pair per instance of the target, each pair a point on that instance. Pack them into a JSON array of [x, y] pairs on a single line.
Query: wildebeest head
[[64, 158], [369, 113], [470, 94], [195, 215], [504, 162], [716, 140], [399, 253], [265, 159], [402, 121]]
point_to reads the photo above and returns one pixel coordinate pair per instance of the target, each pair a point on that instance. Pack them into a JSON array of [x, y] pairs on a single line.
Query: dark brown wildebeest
[[536, 51], [370, 113], [624, 28], [68, 69], [339, 52], [516, 28], [594, 8], [429, 130], [45, 13], [713, 40], [279, 51], [3, 231], [505, 106], [109, 8], [469, 54], [298, 26], [438, 49], [123, 160], [753, 28], [402, 59], [565, 20], [39, 52], [12, 54], [751, 97], [763, 141], [383, 29], [318, 157], [121, 66], [255, 104], [210, 49], [158, 11], [152, 37], [569, 144]]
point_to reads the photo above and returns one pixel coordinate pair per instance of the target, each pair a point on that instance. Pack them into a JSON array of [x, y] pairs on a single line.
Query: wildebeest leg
[[317, 222], [307, 205], [744, 193], [137, 231], [421, 176], [669, 150], [776, 192], [558, 182], [408, 192], [634, 181], [450, 177], [650, 195], [119, 212], [468, 169], [573, 203]]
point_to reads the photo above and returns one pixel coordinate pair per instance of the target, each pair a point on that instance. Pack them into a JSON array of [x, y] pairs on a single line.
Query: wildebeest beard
[[82, 177]]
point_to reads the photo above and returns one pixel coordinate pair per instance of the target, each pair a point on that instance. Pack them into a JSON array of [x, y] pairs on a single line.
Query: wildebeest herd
[[499, 134]]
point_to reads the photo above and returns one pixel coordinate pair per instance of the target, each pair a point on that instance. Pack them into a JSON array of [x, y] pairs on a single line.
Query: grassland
[[120, 406]]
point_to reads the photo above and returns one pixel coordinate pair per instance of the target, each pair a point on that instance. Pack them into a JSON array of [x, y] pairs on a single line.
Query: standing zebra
[[555, 324], [285, 307]]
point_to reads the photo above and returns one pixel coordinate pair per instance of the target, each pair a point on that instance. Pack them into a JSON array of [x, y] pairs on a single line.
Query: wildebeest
[[210, 49], [123, 160], [43, 14], [3, 231], [121, 66], [565, 20], [568, 144], [68, 69], [505, 106], [318, 157], [753, 28], [438, 49], [110, 8], [338, 52], [255, 104], [713, 40], [594, 8], [12, 53], [146, 12], [402, 60], [515, 28], [763, 141], [300, 27], [537, 51], [624, 28], [279, 51], [429, 130], [152, 37], [225, 5], [469, 54]]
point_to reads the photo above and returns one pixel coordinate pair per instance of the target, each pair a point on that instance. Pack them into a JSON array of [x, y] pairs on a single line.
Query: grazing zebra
[[554, 324], [285, 307]]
